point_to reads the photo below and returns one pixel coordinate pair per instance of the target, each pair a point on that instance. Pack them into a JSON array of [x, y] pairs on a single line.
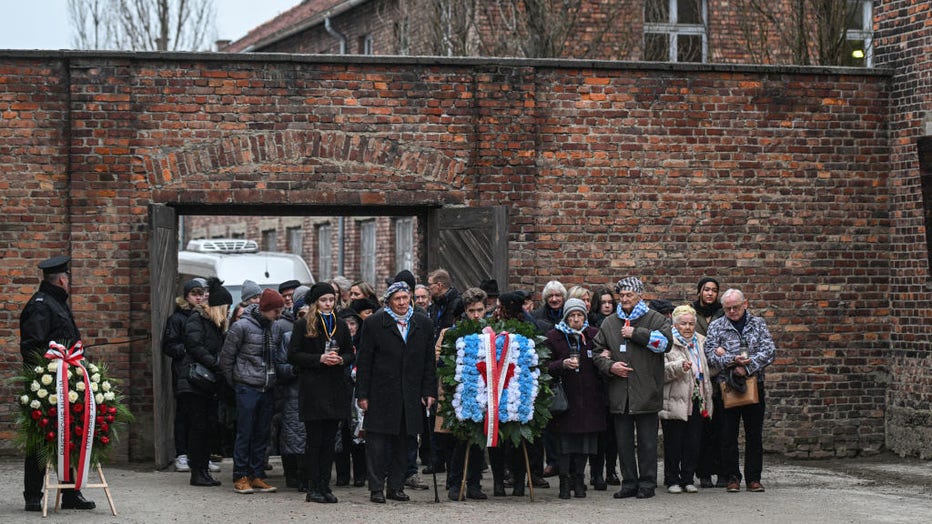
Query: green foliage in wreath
[[446, 371]]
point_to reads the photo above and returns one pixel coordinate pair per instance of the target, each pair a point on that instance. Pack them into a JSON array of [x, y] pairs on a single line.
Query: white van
[[234, 260]]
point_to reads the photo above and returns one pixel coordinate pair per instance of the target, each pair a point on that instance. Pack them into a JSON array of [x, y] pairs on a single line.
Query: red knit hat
[[270, 300]]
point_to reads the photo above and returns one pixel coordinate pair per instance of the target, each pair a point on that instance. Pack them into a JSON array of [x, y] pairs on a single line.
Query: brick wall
[[774, 180], [904, 43]]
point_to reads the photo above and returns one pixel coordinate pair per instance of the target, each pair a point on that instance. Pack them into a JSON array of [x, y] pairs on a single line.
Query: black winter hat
[[219, 296], [318, 290], [490, 287], [405, 276], [362, 304], [288, 284], [512, 302]]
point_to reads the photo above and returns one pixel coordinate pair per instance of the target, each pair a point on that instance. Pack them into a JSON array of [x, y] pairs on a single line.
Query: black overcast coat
[[45, 318], [323, 394], [393, 375]]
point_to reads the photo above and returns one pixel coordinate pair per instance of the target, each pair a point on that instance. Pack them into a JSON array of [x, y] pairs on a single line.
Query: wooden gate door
[[163, 267], [469, 242]]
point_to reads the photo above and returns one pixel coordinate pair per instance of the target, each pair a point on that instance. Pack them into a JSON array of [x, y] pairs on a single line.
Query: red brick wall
[[773, 180], [904, 42]]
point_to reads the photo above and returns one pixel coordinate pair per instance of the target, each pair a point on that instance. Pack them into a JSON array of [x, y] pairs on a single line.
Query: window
[[367, 251], [365, 45], [270, 240], [404, 244], [859, 34], [675, 31], [295, 237], [324, 252]]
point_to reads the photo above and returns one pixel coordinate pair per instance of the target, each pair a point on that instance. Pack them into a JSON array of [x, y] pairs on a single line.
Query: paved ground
[[876, 489]]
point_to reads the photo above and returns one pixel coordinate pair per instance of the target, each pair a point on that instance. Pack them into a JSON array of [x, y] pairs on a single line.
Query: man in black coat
[[45, 318], [396, 381]]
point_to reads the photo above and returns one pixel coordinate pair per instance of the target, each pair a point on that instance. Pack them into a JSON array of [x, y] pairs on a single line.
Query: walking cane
[[430, 450]]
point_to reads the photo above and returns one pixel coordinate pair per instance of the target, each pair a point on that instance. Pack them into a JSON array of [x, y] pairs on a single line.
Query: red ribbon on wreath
[[497, 374], [73, 357]]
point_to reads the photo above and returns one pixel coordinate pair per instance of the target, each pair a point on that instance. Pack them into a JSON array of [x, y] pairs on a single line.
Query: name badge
[[623, 348], [589, 353]]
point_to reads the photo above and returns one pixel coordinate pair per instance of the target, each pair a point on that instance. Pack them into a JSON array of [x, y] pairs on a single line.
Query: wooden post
[[59, 487], [527, 465], [462, 495]]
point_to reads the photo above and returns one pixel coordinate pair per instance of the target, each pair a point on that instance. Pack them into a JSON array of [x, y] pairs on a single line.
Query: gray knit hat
[[630, 284], [574, 304], [250, 290]]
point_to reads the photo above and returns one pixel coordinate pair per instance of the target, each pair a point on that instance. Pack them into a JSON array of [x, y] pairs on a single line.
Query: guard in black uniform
[[45, 318]]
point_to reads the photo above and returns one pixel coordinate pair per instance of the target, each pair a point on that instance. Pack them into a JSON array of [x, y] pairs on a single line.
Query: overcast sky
[[43, 24]]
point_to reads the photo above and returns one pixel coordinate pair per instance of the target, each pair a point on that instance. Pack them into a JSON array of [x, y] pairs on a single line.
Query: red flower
[[36, 414], [104, 427], [102, 409], [44, 422], [104, 440], [78, 407], [53, 411], [100, 419], [109, 418], [50, 436], [112, 411], [705, 413], [78, 430]]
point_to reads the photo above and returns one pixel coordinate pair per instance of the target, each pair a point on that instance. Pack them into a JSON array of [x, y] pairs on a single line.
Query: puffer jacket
[[679, 385], [246, 359], [173, 338], [292, 435], [202, 343]]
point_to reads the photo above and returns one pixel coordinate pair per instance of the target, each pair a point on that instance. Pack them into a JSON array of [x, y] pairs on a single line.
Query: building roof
[[299, 18]]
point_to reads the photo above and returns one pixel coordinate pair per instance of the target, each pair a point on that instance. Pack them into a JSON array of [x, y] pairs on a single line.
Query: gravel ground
[[883, 488]]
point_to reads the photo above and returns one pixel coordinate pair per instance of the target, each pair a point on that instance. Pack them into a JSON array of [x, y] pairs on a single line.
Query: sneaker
[[242, 485], [260, 486], [733, 486], [181, 464], [690, 488], [755, 487], [415, 482], [674, 489], [213, 467]]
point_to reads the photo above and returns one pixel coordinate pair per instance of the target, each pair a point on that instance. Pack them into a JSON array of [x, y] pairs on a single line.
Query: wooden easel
[[527, 465], [58, 487]]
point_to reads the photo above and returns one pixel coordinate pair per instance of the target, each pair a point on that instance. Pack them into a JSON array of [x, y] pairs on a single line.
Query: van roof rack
[[223, 245]]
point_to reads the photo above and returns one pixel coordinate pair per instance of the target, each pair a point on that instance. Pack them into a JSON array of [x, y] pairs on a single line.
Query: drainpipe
[[336, 34], [341, 253]]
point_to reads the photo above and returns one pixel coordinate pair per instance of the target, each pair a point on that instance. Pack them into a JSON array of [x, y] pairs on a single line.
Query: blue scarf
[[563, 327], [693, 347], [639, 311], [402, 321]]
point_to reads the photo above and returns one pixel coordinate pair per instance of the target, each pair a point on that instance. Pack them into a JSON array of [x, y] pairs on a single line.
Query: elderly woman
[[687, 400], [578, 427]]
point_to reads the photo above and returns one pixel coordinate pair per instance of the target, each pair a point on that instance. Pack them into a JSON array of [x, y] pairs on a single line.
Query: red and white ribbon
[[495, 377], [72, 357]]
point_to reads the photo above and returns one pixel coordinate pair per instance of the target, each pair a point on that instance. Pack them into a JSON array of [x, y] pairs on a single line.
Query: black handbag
[[559, 404], [200, 377]]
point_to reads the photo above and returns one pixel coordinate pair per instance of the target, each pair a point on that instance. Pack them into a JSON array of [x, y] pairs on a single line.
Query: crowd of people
[[334, 375]]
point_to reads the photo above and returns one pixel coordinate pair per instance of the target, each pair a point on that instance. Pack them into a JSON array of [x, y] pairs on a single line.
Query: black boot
[[564, 487], [579, 486], [498, 489], [200, 477], [210, 478], [73, 499], [598, 482]]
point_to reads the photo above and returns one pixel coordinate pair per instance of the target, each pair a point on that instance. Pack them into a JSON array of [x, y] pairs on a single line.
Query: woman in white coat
[[687, 400]]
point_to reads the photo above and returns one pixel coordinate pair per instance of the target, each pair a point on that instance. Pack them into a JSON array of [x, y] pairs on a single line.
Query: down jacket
[[202, 343], [173, 338], [292, 436], [245, 358], [679, 385]]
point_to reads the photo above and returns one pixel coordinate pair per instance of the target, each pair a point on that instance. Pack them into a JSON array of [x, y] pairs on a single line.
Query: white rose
[[52, 367], [24, 399], [108, 396], [93, 368], [79, 372], [99, 398], [34, 386], [105, 386], [94, 387], [34, 404], [68, 375], [47, 379], [72, 396], [53, 400], [80, 386], [42, 393], [95, 377], [39, 369]]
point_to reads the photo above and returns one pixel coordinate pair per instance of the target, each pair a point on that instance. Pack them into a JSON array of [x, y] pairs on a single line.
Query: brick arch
[[307, 166]]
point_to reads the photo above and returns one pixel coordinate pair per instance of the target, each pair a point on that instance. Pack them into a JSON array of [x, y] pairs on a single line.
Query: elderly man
[[739, 344], [631, 344], [45, 318], [446, 304], [396, 380]]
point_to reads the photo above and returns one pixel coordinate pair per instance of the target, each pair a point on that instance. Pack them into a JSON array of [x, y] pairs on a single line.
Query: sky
[[44, 24]]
